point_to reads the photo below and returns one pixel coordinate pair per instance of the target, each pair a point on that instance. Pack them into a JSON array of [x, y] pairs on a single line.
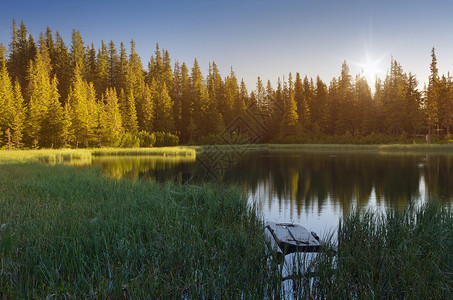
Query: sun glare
[[371, 68]]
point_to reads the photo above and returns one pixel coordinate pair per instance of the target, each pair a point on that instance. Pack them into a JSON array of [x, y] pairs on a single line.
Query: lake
[[310, 188]]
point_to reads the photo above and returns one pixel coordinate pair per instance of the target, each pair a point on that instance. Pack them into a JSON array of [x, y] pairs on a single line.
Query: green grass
[[394, 148], [161, 151], [69, 232], [397, 255], [69, 155], [43, 155]]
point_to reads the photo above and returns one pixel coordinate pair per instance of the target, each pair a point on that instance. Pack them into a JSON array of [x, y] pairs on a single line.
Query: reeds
[[161, 151], [392, 255], [71, 233]]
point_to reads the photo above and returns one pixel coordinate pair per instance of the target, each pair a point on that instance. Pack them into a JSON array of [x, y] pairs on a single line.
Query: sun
[[371, 68]]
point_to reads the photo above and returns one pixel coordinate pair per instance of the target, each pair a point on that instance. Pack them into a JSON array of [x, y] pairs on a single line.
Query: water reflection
[[308, 187]]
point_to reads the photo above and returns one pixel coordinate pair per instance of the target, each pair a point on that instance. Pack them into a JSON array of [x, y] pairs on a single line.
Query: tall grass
[[163, 151], [68, 155], [71, 233], [403, 148], [43, 155], [397, 255]]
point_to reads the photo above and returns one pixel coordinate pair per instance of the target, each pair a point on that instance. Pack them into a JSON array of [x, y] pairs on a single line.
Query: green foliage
[[193, 107], [128, 140], [396, 255], [164, 139], [146, 139], [69, 232]]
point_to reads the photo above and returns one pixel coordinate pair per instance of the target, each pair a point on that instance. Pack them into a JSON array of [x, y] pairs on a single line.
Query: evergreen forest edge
[[53, 95]]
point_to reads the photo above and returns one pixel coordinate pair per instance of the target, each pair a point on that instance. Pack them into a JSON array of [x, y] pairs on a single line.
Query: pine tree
[[6, 103], [18, 118], [61, 67], [78, 54], [102, 75], [21, 51], [319, 110], [129, 114], [236, 106], [432, 95], [290, 118], [51, 131], [41, 93], [91, 63], [365, 120], [186, 105], [82, 101], [110, 119], [2, 55], [163, 120], [413, 110], [345, 106], [113, 65]]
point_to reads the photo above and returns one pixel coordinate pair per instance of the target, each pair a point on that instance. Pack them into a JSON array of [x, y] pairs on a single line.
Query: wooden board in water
[[293, 238]]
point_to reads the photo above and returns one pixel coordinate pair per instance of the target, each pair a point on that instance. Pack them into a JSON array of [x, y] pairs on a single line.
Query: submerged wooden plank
[[293, 238]]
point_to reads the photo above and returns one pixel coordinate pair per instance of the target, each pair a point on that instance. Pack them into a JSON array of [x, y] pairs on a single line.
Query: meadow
[[71, 233]]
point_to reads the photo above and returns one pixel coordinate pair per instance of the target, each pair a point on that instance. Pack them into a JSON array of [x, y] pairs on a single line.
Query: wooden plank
[[293, 238]]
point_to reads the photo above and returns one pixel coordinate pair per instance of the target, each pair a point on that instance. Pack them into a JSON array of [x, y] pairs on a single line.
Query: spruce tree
[[110, 120], [18, 117], [102, 75], [82, 101], [163, 120], [78, 54], [41, 93], [432, 95], [51, 131], [6, 103], [61, 67]]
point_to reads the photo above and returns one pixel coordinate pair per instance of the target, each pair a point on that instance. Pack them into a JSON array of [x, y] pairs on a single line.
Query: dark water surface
[[308, 188]]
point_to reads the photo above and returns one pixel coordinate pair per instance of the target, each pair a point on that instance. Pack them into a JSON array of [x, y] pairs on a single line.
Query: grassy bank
[[66, 155], [403, 148], [398, 255], [73, 233], [162, 151]]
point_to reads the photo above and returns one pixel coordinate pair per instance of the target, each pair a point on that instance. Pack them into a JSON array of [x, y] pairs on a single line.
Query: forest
[[54, 95]]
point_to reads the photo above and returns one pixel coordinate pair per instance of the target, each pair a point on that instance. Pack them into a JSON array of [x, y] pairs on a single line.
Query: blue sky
[[257, 38]]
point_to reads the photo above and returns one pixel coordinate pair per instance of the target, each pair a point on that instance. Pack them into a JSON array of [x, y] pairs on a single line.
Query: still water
[[308, 188]]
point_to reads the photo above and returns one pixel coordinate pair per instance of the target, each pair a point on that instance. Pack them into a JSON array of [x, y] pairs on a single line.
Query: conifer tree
[[345, 102], [82, 101], [21, 51], [432, 95], [290, 118], [2, 55], [319, 110], [78, 54], [61, 67], [237, 107], [186, 105], [6, 102], [91, 63], [51, 131], [102, 75], [18, 117], [129, 113], [413, 110], [163, 120], [41, 92], [365, 120], [113, 65], [110, 120]]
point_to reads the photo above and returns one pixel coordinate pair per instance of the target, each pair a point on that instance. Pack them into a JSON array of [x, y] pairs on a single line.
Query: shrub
[[164, 139], [129, 141], [146, 139]]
